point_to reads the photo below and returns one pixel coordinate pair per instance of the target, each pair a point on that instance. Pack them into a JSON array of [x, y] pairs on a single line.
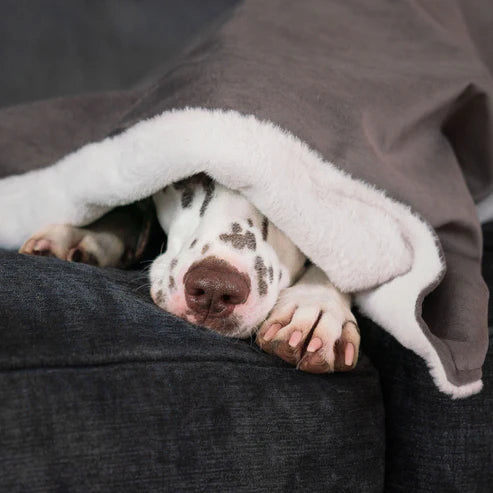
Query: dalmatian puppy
[[227, 268]]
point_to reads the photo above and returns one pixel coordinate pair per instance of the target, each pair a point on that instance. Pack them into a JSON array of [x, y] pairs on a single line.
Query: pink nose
[[214, 287]]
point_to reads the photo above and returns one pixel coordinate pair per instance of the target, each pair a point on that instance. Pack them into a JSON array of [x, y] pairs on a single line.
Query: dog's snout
[[213, 287]]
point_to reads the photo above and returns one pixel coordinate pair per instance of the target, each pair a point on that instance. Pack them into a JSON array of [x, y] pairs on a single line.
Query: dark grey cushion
[[103, 391], [434, 444]]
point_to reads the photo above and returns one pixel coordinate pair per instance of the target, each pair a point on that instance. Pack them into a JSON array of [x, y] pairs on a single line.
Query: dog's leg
[[115, 240], [312, 326]]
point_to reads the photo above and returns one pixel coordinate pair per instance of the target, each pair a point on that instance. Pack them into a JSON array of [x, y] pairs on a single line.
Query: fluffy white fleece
[[366, 242]]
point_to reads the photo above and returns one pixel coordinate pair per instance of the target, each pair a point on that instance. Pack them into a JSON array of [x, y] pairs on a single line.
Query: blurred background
[[52, 48]]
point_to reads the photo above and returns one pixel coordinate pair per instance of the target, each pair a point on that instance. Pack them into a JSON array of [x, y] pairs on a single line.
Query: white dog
[[226, 267]]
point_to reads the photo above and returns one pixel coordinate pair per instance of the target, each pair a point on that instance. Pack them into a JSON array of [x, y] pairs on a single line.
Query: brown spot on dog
[[188, 193], [265, 228], [171, 284], [197, 179], [236, 228], [194, 242], [250, 222], [205, 248], [160, 298], [261, 274], [209, 188], [187, 197], [239, 240], [180, 184], [188, 186], [173, 263], [280, 275], [271, 274]]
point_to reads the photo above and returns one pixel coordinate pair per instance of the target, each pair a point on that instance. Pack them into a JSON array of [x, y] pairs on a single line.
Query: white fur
[[362, 239]]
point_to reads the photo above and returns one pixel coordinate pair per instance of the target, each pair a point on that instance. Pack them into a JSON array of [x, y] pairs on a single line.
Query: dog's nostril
[[234, 299], [196, 291]]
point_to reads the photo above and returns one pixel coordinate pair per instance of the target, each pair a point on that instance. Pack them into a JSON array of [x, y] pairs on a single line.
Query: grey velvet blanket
[[362, 129]]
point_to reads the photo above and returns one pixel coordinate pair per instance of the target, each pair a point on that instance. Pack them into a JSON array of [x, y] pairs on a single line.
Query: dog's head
[[225, 262]]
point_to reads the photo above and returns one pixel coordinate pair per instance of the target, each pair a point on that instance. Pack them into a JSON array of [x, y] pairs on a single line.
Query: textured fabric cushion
[[434, 444], [102, 391]]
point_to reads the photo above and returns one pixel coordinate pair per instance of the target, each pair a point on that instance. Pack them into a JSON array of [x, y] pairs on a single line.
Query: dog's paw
[[313, 328], [65, 242]]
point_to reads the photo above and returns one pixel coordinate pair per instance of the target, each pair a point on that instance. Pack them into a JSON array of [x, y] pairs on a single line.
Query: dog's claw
[[271, 332], [295, 338], [314, 345], [349, 354]]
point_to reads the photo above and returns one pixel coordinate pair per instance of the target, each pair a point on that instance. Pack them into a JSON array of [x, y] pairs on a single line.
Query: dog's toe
[[52, 241], [40, 247], [314, 361], [80, 254], [316, 337], [285, 331]]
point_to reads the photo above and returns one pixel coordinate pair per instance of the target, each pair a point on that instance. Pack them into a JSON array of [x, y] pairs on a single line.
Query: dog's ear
[[197, 179]]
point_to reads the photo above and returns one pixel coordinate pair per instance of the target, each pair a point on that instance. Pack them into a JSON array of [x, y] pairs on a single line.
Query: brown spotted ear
[[148, 216], [188, 186], [198, 179]]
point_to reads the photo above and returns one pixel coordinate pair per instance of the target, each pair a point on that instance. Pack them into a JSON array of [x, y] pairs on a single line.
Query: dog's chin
[[230, 326], [233, 325]]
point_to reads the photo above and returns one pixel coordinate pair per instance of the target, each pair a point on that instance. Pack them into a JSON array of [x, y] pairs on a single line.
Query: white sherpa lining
[[364, 241]]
